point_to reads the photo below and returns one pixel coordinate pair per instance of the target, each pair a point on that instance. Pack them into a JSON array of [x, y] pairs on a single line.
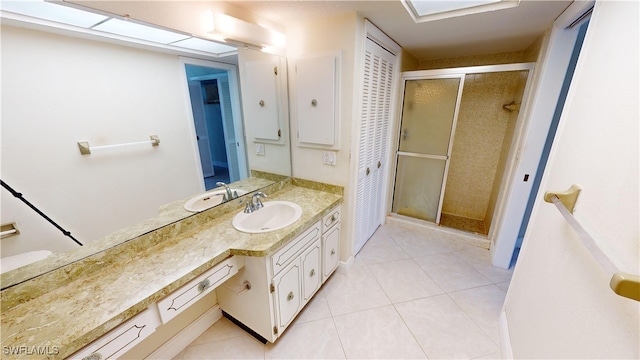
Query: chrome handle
[[261, 103], [333, 251], [203, 285], [312, 273], [290, 296]]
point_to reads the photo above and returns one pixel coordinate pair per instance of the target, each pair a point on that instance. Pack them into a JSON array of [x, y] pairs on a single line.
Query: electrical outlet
[[259, 149], [329, 158]]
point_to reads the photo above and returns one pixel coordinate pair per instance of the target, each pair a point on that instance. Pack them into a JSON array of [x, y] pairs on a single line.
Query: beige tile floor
[[406, 297]]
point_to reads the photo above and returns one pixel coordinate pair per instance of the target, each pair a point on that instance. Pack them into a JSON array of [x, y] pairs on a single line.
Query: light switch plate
[[259, 149], [329, 158]]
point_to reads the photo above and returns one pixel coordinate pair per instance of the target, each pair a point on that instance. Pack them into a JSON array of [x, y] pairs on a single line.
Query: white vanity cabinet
[[330, 242], [180, 300], [121, 339], [284, 282]]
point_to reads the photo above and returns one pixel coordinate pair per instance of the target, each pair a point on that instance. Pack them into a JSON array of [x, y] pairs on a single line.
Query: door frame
[[234, 93], [413, 75], [542, 100], [518, 131]]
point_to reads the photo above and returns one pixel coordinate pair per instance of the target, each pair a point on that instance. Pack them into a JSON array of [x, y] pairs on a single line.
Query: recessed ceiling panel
[[204, 45], [430, 10], [53, 12], [138, 31]]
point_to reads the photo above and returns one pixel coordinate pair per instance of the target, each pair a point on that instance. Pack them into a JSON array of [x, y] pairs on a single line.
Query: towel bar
[[623, 284]]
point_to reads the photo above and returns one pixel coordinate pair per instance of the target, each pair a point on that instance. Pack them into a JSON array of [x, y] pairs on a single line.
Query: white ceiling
[[492, 32]]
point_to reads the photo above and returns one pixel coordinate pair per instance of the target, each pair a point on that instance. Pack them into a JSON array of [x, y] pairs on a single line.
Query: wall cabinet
[[261, 100], [316, 101], [283, 283]]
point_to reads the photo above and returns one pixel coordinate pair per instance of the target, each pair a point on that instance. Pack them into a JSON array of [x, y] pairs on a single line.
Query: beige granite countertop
[[75, 314]]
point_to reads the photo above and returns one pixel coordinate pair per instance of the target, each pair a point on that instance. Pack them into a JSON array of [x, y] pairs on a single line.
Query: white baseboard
[[345, 266], [187, 335], [505, 339]]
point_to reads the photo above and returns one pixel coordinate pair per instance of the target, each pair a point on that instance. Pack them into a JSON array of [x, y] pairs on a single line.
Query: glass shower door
[[429, 112]]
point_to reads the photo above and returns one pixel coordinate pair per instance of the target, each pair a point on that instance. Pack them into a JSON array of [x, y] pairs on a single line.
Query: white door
[[372, 155], [202, 134], [559, 304]]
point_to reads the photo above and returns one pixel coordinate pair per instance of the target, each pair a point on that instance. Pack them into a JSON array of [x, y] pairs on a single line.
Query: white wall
[[316, 38], [57, 90], [559, 304]]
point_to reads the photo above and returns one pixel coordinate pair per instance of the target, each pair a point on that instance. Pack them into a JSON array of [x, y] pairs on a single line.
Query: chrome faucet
[[229, 195], [255, 203]]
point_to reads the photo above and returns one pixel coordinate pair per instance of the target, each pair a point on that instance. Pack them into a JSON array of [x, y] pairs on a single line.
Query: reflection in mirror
[[213, 93], [60, 89]]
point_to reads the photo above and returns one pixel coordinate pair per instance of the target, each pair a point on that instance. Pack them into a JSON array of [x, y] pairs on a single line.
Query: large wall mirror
[[62, 87]]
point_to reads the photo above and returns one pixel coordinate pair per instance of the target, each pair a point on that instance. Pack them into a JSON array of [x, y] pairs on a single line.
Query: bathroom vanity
[[111, 307], [283, 282]]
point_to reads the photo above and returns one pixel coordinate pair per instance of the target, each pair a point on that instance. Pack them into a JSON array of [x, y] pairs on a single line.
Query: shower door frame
[[447, 157], [463, 72]]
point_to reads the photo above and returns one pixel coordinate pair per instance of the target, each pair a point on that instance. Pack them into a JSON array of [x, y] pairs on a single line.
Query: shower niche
[[455, 142]]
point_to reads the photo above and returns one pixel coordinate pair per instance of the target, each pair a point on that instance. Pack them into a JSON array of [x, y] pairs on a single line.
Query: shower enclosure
[[455, 143]]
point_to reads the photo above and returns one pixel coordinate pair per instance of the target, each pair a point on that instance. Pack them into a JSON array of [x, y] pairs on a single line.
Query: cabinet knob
[[314, 102], [333, 217], [312, 273], [379, 164], [368, 171], [203, 285], [333, 251], [290, 296], [94, 356], [261, 103]]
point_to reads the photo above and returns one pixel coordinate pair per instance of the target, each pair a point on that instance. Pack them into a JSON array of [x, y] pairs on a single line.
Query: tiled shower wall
[[478, 143]]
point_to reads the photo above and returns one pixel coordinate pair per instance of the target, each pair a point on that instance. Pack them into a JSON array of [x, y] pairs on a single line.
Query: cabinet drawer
[[288, 252], [332, 218], [122, 338], [181, 299]]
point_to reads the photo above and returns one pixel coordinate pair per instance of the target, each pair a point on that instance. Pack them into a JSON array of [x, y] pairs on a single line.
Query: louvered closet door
[[374, 124]]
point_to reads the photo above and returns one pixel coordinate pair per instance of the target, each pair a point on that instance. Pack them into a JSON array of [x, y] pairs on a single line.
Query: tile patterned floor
[[406, 297]]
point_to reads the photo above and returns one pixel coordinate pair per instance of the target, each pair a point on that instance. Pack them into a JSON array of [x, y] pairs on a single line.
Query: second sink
[[209, 199], [275, 215]]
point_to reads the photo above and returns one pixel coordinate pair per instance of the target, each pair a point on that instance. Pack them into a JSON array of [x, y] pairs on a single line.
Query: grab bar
[[623, 284], [85, 149]]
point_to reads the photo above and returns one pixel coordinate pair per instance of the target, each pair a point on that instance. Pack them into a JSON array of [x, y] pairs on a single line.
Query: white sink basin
[[209, 199], [275, 215]]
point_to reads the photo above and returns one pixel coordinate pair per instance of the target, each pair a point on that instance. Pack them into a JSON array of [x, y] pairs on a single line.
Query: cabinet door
[[330, 248], [261, 100], [311, 270], [288, 299], [316, 101]]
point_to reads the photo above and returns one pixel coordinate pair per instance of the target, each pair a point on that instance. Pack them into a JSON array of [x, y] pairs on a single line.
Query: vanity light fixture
[[430, 10], [245, 34]]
